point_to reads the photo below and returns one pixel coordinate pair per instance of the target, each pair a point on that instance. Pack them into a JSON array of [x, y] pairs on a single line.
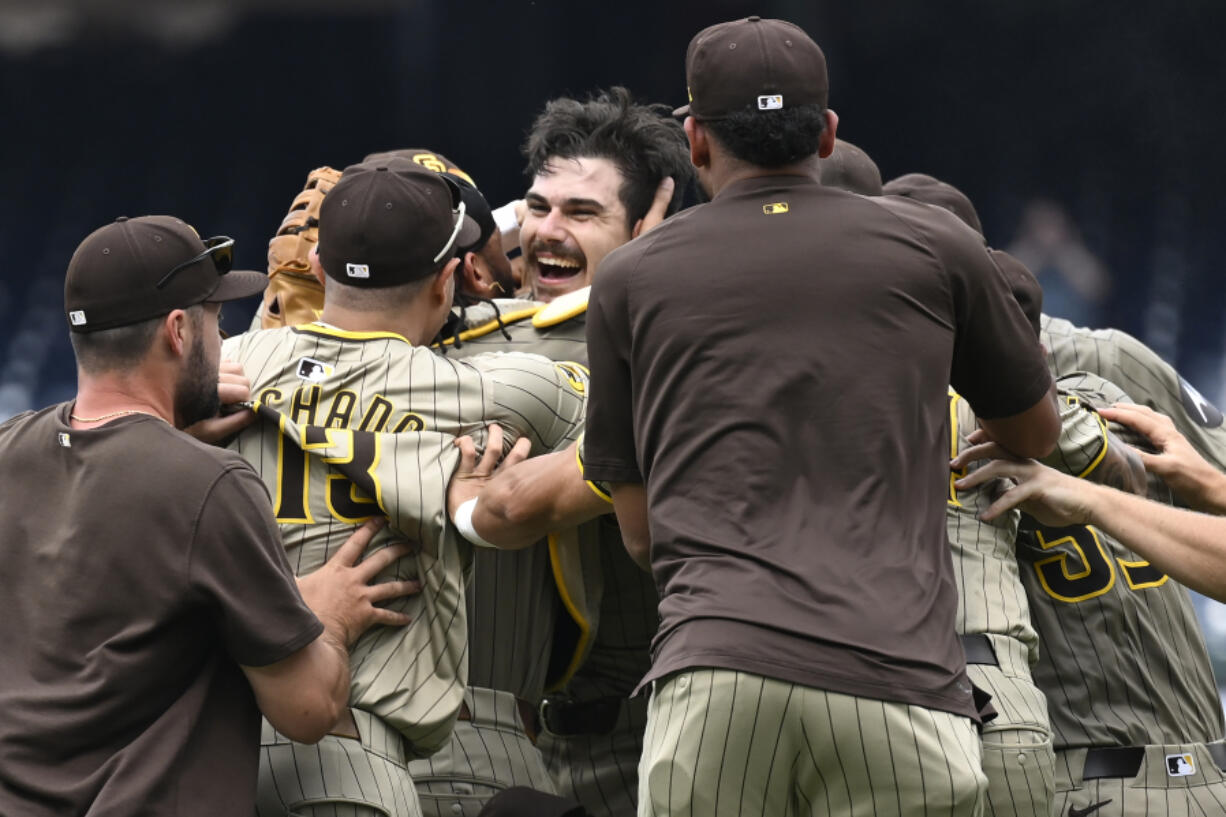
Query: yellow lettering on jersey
[[376, 415], [954, 476], [1141, 574], [293, 471], [347, 500], [341, 410], [410, 422], [270, 396], [1096, 577], [305, 405]]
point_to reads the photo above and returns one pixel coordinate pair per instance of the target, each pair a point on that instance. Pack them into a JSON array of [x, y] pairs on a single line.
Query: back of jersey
[[1122, 659], [354, 425]]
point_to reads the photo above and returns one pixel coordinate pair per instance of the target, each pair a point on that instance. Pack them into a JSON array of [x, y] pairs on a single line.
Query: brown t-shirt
[[141, 568], [774, 365]]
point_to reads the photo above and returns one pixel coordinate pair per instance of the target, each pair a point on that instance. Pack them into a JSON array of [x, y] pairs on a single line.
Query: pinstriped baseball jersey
[[610, 653], [1127, 362], [358, 424], [1123, 661], [990, 594]]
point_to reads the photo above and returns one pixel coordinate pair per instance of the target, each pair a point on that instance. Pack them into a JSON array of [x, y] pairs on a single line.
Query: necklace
[[120, 413]]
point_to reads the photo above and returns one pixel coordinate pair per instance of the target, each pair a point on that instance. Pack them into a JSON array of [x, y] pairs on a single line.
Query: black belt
[[566, 717], [1125, 761], [978, 649]]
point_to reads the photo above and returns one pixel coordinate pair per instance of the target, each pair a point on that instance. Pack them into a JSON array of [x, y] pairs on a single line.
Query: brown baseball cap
[[477, 206], [390, 221], [752, 64], [135, 269], [927, 189], [1025, 287], [850, 168]]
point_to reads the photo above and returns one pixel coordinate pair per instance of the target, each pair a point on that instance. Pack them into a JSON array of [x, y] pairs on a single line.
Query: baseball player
[[603, 171], [1135, 712], [358, 418], [1122, 359], [798, 586]]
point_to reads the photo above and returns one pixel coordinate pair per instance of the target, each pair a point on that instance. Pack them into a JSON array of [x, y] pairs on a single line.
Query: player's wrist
[[464, 523]]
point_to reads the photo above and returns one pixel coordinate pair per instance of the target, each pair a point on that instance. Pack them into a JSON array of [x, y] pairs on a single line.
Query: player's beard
[[196, 395]]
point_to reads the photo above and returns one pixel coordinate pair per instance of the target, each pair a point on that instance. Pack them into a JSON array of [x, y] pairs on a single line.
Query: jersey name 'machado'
[[306, 406]]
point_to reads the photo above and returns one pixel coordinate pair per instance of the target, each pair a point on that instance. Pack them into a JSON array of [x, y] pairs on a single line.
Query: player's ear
[[176, 332], [441, 288], [825, 144], [473, 279], [317, 269], [700, 147]]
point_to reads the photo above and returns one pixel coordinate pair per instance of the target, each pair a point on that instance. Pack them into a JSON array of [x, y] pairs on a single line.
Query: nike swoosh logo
[[1082, 812]]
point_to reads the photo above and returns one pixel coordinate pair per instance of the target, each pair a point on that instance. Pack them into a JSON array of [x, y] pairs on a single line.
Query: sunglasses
[[220, 248]]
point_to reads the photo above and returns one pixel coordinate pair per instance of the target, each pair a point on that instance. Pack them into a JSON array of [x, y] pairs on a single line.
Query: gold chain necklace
[[120, 413]]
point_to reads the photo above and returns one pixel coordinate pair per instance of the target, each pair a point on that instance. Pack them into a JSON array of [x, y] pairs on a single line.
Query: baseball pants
[[601, 771], [337, 777], [1016, 745], [721, 742], [1175, 780], [488, 752]]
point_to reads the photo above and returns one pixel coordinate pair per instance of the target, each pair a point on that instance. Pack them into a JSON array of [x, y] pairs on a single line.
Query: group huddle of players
[[1092, 657]]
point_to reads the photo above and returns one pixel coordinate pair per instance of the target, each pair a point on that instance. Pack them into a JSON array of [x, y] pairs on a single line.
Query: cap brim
[[241, 283], [470, 232], [682, 112]]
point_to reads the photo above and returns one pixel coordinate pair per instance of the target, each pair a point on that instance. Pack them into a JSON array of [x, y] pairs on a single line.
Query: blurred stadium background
[[1086, 132]]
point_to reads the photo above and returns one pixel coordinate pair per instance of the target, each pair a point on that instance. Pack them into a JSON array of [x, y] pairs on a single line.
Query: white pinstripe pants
[[721, 742]]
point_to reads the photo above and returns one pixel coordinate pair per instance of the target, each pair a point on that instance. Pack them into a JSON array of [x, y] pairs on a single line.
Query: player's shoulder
[[1091, 387]]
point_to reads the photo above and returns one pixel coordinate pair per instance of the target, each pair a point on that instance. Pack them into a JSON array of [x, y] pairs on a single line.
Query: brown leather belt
[[1125, 761], [527, 714], [978, 649]]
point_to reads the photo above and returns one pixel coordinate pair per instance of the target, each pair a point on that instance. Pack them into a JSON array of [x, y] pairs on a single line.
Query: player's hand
[[659, 207], [473, 472], [234, 391], [1196, 482], [1053, 498], [341, 594]]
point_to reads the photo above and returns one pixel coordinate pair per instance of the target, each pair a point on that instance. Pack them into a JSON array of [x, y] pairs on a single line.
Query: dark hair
[[770, 138], [123, 347], [643, 141]]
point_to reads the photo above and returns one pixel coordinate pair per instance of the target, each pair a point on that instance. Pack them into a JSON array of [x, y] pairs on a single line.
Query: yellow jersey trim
[[492, 326], [585, 627], [344, 334], [562, 308], [596, 489]]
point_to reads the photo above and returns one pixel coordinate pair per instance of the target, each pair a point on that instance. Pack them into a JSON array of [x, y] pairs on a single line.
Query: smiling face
[[574, 219]]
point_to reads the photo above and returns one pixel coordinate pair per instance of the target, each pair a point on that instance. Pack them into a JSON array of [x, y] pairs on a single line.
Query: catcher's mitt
[[294, 295]]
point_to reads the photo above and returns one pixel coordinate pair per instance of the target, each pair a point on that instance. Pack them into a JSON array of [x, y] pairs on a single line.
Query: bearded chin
[[196, 395]]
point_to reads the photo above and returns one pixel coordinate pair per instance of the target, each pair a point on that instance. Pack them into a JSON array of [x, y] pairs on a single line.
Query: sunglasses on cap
[[220, 248]]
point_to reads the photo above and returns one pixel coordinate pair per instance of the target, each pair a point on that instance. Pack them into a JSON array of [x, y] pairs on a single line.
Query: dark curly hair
[[770, 138], [643, 141]]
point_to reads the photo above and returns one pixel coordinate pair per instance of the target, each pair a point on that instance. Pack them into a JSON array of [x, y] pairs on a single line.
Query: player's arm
[[630, 503], [1029, 433], [305, 694], [1192, 478], [1187, 545], [520, 501]]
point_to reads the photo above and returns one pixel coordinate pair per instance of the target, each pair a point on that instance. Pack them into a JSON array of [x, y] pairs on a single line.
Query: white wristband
[[508, 225], [464, 524]]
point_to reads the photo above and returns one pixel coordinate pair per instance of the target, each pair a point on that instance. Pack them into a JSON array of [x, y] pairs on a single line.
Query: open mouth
[[553, 268]]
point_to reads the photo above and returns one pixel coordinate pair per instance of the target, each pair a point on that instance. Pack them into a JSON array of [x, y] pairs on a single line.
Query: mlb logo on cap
[[773, 102], [357, 270], [76, 317]]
